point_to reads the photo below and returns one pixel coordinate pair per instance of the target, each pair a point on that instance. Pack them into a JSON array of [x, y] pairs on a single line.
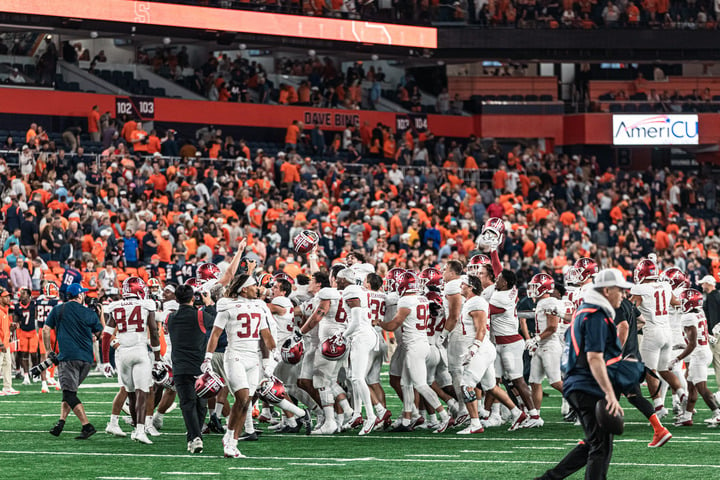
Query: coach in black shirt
[[187, 335]]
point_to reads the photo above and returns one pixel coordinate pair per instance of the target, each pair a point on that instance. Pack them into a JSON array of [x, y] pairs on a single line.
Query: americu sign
[[657, 129]]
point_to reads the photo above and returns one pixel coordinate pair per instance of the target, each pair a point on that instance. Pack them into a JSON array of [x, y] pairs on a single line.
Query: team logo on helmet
[[476, 262], [292, 351], [690, 299], [208, 384], [51, 290], [408, 284], [305, 241], [334, 348], [392, 277], [586, 268], [646, 269], [207, 272], [675, 277], [539, 285], [492, 233], [271, 389], [134, 287], [431, 277]]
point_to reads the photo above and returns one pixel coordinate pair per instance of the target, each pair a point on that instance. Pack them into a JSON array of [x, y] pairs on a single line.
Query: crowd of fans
[[586, 14], [153, 210]]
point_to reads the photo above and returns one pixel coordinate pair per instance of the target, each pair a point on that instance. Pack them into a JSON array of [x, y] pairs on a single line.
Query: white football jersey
[[378, 306], [567, 308], [678, 339], [356, 292], [698, 320], [243, 320], [335, 320], [505, 322], [655, 303], [130, 317], [487, 292], [466, 320], [545, 305], [435, 325], [307, 309], [413, 328], [453, 287], [391, 306], [285, 322]]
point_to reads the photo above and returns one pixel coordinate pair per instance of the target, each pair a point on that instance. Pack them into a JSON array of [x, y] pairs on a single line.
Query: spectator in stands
[[94, 124], [16, 77], [20, 276], [611, 15], [457, 105]]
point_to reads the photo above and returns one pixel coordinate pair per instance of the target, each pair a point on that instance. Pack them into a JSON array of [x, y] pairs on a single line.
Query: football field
[[29, 452]]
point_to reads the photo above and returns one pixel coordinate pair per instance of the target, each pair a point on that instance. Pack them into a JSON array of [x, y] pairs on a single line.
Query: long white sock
[[329, 412], [380, 409], [218, 409], [114, 419], [148, 420], [249, 427], [291, 422], [288, 406]]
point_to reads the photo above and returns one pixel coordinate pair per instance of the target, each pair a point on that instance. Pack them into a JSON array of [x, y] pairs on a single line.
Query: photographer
[[75, 325], [187, 336]]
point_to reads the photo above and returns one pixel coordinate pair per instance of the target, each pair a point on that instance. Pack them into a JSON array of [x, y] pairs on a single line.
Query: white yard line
[[255, 468], [123, 478], [189, 473]]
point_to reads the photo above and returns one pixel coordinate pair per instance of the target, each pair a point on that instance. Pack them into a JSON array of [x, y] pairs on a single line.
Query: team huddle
[[456, 337]]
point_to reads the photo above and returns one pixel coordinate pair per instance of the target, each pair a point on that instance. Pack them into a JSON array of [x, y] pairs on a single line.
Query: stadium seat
[[630, 108], [616, 107], [531, 98], [546, 98]]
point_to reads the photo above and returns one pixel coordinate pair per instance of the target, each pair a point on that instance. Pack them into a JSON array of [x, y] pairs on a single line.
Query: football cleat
[[684, 420], [327, 428], [151, 430], [533, 421], [277, 427], [661, 412], [141, 436], [157, 422], [44, 388], [417, 421], [115, 430], [355, 421], [231, 451], [402, 428], [462, 418], [264, 418], [306, 422], [571, 416], [444, 424], [380, 421], [215, 424], [248, 437], [87, 431], [471, 430], [367, 427], [494, 420], [289, 429], [518, 422], [26, 381], [58, 428], [660, 438]]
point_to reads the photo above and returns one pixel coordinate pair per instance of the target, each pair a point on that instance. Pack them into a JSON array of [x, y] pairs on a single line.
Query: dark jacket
[[187, 335], [711, 306]]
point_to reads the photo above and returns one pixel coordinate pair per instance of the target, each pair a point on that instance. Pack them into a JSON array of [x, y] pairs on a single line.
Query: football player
[[698, 356], [363, 341], [132, 316], [653, 298], [478, 368], [545, 346], [412, 313], [390, 284], [25, 316], [452, 303], [246, 325], [504, 325], [377, 304], [678, 282], [44, 304], [584, 273], [169, 305]]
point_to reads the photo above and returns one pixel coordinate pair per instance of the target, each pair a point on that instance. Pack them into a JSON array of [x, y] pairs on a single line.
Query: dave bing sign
[[657, 129]]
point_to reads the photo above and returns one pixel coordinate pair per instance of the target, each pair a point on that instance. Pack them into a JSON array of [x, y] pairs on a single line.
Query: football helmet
[[292, 351], [153, 284], [207, 272], [690, 299], [431, 277], [208, 384], [646, 269], [194, 283], [284, 276], [271, 389], [586, 268], [476, 262], [265, 280], [539, 285], [436, 303], [134, 287], [163, 375], [334, 348], [408, 283], [675, 277], [51, 290], [492, 233], [305, 241], [571, 277], [392, 277]]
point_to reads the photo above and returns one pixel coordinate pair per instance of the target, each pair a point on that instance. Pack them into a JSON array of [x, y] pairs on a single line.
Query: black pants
[[193, 407], [596, 449], [636, 399]]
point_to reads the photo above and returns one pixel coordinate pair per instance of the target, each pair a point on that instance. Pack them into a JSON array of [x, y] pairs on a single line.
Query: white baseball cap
[[610, 277], [708, 279]]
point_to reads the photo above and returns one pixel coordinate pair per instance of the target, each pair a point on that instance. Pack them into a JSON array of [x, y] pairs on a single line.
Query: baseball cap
[[155, 257], [4, 293], [610, 277], [75, 289], [708, 279]]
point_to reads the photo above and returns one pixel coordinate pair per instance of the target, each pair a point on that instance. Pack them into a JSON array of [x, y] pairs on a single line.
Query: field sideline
[[27, 451]]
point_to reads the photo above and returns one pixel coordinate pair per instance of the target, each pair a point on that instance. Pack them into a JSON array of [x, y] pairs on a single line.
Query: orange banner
[[226, 20]]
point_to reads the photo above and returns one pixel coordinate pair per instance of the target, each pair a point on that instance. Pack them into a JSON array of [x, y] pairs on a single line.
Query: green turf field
[[28, 452]]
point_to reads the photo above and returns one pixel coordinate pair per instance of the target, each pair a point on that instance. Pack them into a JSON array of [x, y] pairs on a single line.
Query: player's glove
[[716, 330], [158, 368], [108, 370], [673, 363], [472, 351], [712, 339], [443, 336], [206, 365], [297, 335], [531, 345]]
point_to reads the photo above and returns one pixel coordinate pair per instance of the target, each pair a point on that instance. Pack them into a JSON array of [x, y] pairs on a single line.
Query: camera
[[51, 359]]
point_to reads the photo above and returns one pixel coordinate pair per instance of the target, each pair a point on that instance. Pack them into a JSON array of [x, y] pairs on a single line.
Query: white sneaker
[[713, 422], [684, 420], [662, 413], [518, 422], [44, 388], [231, 451], [196, 446], [128, 419], [26, 381], [157, 423], [471, 430], [151, 430], [355, 421], [443, 425], [141, 436], [115, 430], [505, 414], [52, 382], [327, 428], [368, 426], [133, 434], [494, 420], [277, 426]]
